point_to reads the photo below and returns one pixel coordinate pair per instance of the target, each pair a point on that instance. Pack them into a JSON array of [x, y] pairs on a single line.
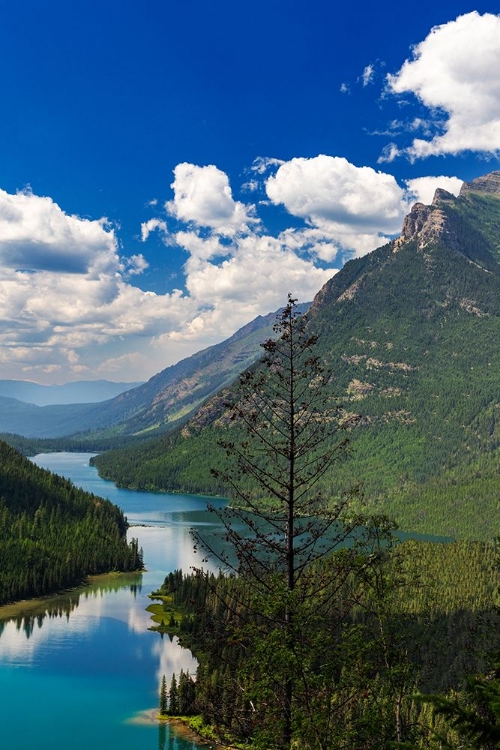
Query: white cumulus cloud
[[36, 235], [234, 270], [68, 308], [135, 265], [346, 211], [153, 225], [253, 278], [260, 270], [65, 301], [455, 73], [263, 164], [355, 207], [202, 196]]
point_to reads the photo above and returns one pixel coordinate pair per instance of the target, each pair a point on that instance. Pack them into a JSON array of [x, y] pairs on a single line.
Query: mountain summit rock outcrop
[[443, 221], [428, 223], [435, 223]]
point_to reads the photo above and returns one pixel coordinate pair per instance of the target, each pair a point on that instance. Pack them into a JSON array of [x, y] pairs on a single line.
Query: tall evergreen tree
[[186, 693], [173, 697], [289, 433], [163, 697]]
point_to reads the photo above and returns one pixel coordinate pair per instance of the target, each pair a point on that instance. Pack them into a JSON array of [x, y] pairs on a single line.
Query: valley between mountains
[[411, 332]]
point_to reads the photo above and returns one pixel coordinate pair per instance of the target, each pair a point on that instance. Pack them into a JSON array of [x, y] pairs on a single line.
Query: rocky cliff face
[[430, 224], [435, 223]]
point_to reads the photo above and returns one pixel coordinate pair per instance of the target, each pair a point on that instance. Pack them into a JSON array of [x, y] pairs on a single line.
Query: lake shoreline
[[38, 604], [89, 644], [179, 725]]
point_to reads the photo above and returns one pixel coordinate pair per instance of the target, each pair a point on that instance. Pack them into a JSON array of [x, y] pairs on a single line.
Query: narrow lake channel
[[80, 670]]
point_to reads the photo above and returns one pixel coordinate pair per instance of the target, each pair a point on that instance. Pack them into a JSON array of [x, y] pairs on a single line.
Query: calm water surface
[[79, 671]]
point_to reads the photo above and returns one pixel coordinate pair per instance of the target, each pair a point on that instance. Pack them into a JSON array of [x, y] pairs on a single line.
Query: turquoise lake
[[81, 670]]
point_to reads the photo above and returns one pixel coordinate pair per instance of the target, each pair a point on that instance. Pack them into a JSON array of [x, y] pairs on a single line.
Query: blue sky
[[169, 171]]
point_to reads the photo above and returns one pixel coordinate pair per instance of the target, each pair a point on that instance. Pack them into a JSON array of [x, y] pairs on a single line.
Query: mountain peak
[[443, 196], [437, 222], [428, 223], [488, 183]]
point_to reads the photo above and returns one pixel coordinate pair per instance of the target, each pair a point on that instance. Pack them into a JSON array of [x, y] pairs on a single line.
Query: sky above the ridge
[[169, 171]]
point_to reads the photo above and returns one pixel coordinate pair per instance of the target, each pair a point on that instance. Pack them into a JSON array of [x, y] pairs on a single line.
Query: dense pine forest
[[52, 534], [84, 443], [419, 624]]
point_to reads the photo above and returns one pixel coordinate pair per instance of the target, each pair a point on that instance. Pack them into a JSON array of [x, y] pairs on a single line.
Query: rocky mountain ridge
[[488, 183], [412, 332]]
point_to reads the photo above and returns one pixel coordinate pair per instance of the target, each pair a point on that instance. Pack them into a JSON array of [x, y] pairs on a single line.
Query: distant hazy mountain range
[[81, 392], [156, 406]]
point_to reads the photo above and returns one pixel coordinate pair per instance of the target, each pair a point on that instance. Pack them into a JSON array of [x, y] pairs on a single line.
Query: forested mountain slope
[[52, 534], [177, 391], [412, 332]]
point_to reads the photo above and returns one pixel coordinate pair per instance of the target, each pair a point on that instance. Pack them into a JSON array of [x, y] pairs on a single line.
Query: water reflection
[[91, 647], [162, 737], [28, 613], [168, 740]]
